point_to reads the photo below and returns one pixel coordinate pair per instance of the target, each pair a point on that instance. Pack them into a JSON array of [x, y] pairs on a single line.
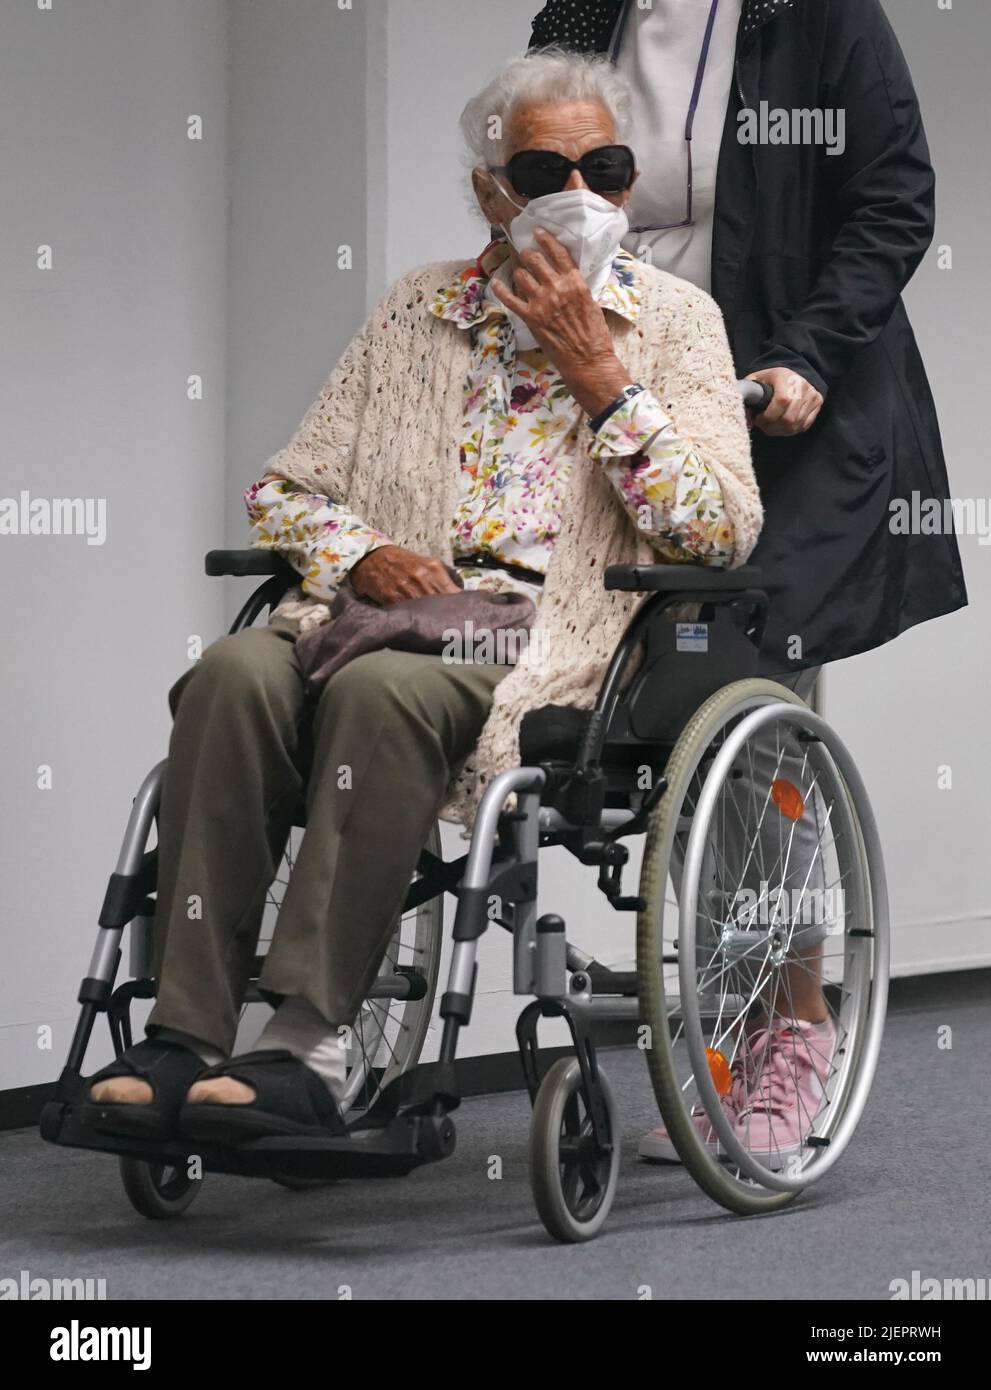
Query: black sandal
[[168, 1068], [290, 1100]]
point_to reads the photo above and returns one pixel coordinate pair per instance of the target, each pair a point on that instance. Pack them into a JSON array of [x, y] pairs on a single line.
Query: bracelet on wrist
[[625, 395]]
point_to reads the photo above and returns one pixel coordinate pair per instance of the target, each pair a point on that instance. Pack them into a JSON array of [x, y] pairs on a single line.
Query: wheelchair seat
[[551, 734], [551, 738]]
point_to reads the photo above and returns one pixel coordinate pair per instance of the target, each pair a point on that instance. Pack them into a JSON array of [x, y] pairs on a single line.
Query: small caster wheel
[[573, 1181], [158, 1190]]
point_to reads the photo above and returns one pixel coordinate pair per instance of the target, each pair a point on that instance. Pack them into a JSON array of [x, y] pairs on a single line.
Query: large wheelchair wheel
[[762, 868], [573, 1181]]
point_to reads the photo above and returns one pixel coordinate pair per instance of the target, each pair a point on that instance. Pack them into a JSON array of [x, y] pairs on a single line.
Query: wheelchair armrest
[[670, 579], [244, 562]]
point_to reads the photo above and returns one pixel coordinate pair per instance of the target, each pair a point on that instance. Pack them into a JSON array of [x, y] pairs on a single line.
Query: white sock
[[210, 1055], [300, 1029]]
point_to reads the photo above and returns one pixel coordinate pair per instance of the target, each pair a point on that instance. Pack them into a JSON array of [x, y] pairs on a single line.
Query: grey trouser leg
[[806, 869], [378, 749], [763, 859]]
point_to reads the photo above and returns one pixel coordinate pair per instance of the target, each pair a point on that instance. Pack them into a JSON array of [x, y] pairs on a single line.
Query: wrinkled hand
[[796, 404], [554, 301], [390, 574]]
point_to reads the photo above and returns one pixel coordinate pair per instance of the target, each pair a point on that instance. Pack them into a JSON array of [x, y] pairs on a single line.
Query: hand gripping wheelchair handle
[[757, 395]]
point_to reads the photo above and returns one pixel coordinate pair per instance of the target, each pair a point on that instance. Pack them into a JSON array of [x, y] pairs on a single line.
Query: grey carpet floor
[[911, 1193]]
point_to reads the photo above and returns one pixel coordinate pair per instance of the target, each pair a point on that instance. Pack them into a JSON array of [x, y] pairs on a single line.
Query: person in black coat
[[806, 244], [811, 249]]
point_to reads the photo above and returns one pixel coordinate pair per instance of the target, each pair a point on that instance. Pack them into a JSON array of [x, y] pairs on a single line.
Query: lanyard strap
[[703, 57], [700, 71]]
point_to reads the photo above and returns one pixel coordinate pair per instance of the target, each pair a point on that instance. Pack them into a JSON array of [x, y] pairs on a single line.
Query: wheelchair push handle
[[757, 395], [247, 562]]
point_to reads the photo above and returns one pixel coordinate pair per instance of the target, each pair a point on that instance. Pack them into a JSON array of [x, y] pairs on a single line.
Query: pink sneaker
[[780, 1088], [658, 1147]]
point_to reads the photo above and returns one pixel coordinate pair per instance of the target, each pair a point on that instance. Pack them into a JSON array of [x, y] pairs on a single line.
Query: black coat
[[810, 255]]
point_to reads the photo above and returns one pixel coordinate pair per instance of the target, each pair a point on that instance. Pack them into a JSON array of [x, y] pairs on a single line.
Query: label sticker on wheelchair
[[692, 637]]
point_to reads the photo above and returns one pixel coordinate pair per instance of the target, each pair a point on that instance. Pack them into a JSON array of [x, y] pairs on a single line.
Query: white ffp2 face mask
[[587, 225]]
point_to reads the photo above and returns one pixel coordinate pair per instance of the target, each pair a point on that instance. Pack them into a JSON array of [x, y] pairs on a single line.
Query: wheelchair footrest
[[390, 1150], [405, 1143]]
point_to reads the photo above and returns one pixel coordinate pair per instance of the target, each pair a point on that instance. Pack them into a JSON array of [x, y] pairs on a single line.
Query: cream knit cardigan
[[384, 438]]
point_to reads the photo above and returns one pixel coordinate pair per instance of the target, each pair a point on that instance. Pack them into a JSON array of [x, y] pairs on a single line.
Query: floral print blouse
[[519, 443]]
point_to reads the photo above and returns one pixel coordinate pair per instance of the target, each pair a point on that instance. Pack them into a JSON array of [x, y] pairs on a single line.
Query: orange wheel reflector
[[788, 799], [719, 1071]]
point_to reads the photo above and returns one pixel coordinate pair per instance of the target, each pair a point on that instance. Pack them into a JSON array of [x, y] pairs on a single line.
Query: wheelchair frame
[[558, 802], [409, 1123]]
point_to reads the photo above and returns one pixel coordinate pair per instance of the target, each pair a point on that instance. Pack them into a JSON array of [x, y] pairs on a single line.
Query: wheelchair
[[669, 751]]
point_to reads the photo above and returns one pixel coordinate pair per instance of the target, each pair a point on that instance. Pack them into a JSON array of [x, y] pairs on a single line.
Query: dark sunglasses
[[535, 173]]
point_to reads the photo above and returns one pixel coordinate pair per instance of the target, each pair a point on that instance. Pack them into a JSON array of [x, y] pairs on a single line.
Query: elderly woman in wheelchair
[[560, 420]]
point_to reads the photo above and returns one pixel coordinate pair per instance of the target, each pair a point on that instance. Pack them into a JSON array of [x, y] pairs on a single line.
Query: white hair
[[542, 76]]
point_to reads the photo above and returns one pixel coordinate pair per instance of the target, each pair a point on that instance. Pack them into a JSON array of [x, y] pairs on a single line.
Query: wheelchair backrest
[[684, 662]]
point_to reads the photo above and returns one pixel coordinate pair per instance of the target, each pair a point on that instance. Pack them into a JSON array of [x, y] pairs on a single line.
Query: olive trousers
[[373, 757]]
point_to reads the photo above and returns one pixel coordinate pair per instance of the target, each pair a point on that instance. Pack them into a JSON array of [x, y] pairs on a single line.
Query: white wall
[[94, 358], [298, 193]]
